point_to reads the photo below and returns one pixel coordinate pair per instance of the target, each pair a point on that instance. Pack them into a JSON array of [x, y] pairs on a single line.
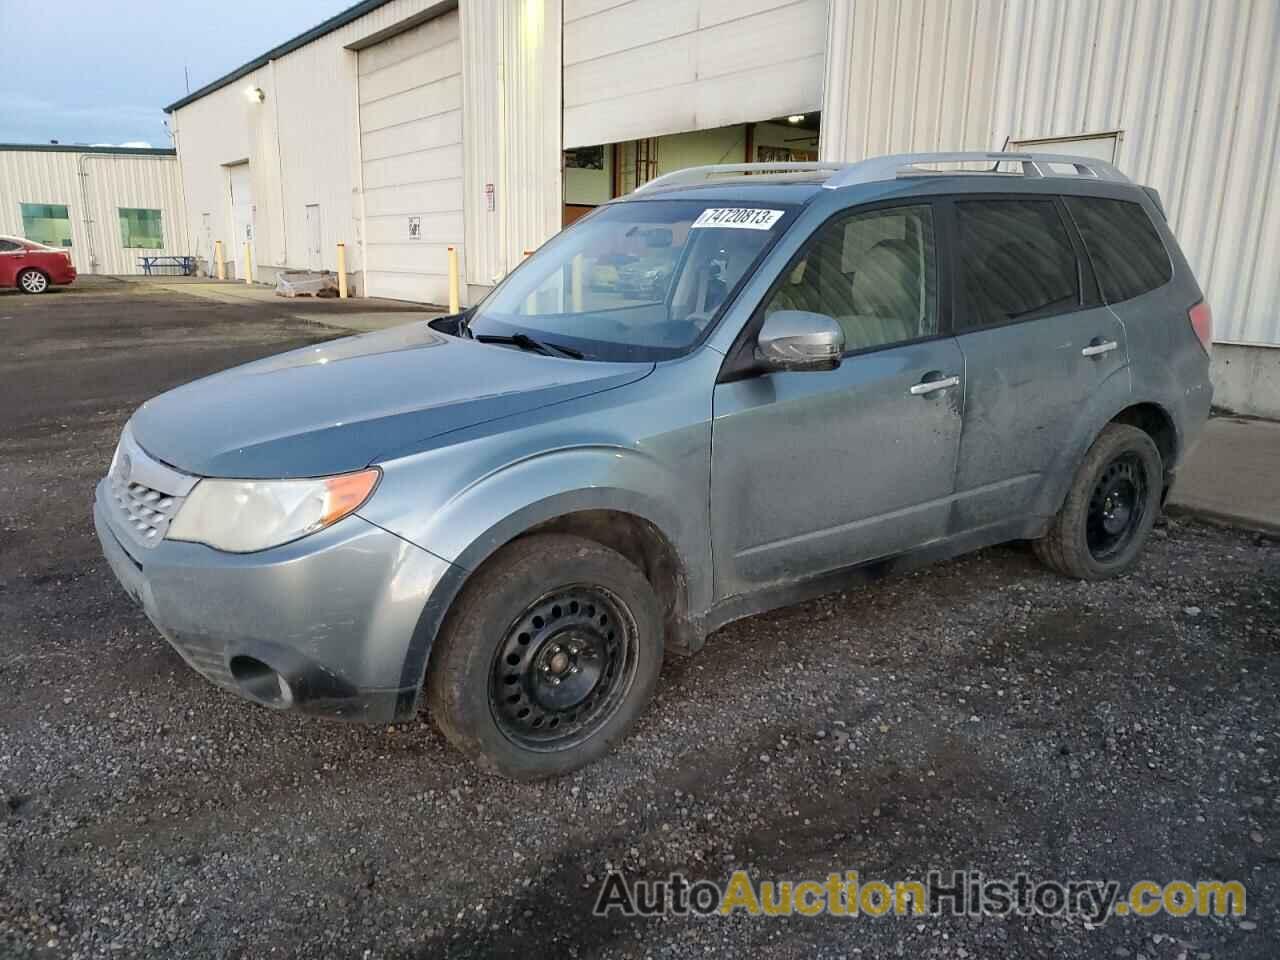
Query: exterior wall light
[[254, 94]]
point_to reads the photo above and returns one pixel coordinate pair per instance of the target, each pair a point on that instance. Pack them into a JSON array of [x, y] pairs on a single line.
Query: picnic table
[[184, 266]]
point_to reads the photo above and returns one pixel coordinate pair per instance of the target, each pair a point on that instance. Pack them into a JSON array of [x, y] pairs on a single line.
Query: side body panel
[[1170, 367], [642, 449]]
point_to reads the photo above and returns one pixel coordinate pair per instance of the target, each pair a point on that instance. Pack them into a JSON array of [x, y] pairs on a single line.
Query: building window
[[46, 223], [141, 229]]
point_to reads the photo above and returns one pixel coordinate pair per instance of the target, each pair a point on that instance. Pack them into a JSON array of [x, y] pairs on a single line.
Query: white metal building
[[108, 206], [401, 127]]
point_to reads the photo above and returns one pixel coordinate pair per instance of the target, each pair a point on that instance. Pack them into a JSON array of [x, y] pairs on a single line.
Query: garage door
[[651, 67], [411, 159]]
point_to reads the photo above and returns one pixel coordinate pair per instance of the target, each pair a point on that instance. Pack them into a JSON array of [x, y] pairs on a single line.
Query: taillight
[[1202, 323]]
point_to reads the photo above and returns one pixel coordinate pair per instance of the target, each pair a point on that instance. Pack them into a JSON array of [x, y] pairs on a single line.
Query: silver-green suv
[[845, 371]]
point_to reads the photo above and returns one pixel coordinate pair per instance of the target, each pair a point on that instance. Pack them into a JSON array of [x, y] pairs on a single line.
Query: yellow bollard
[[248, 263], [220, 260], [455, 300], [342, 271]]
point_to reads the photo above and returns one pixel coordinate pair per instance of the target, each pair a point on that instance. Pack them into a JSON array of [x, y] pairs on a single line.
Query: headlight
[[241, 516]]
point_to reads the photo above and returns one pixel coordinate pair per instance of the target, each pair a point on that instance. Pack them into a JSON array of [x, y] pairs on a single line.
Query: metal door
[[315, 256], [243, 213]]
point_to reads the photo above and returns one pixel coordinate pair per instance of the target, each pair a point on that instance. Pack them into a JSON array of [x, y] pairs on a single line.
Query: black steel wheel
[[1109, 511], [547, 657], [1117, 506], [563, 667]]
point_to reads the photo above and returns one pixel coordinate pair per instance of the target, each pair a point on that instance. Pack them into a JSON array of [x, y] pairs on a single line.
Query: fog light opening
[[259, 682]]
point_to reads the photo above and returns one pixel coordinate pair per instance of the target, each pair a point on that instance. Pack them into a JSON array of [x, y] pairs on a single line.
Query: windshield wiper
[[526, 342]]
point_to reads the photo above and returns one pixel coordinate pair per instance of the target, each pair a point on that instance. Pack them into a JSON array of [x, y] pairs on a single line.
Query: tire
[[32, 280], [1110, 509], [561, 628]]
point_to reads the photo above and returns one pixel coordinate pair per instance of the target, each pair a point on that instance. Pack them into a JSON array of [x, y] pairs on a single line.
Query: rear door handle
[[929, 386], [1098, 347]]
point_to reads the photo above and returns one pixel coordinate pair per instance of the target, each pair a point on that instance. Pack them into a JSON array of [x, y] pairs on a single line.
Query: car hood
[[337, 406]]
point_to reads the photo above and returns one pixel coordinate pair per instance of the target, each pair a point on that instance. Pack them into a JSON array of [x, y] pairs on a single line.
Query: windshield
[[642, 280]]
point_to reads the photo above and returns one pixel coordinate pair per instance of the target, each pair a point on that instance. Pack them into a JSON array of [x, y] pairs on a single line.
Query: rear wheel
[[1109, 512], [33, 281], [548, 657]]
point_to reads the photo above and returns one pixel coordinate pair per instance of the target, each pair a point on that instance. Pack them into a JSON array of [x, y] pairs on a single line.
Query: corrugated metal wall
[[511, 75], [1195, 88], [301, 141], [908, 75], [411, 154], [110, 181], [1192, 85], [650, 67]]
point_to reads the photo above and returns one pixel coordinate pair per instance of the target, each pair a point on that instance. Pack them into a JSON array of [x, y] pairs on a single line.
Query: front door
[[12, 258], [1037, 346], [815, 471]]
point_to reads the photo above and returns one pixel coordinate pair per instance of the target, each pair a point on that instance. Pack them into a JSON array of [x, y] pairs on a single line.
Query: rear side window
[[1127, 253], [1016, 261]]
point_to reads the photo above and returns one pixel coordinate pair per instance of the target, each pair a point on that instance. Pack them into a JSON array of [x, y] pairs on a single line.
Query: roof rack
[[692, 175], [1031, 164], [899, 165]]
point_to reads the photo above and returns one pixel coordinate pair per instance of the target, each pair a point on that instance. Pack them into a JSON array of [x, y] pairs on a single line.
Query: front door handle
[[929, 386], [1097, 347]]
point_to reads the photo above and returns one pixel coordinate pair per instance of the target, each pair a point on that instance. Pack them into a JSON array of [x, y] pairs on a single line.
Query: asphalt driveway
[[982, 714]]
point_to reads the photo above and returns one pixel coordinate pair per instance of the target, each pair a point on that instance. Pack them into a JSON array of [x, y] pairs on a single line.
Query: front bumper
[[328, 625]]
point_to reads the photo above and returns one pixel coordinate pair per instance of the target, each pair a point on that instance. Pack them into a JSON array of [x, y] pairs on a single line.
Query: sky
[[102, 71]]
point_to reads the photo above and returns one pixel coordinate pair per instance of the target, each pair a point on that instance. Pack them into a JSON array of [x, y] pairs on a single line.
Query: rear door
[[1037, 344]]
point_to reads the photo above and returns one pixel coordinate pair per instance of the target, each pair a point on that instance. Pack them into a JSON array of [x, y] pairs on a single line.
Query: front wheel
[[1109, 512], [550, 654], [33, 281]]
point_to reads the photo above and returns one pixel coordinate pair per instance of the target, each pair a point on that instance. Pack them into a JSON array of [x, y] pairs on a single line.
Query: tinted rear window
[[1016, 261], [1123, 244]]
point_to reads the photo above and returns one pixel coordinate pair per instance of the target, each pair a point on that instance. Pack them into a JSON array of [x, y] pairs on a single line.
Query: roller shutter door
[[411, 159]]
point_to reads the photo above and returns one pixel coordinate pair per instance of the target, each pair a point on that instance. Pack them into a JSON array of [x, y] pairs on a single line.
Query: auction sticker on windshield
[[737, 218]]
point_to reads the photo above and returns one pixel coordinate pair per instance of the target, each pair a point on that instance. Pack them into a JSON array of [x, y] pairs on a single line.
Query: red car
[[33, 267]]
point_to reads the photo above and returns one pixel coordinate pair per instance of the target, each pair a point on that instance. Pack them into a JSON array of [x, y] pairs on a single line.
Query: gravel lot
[[980, 714]]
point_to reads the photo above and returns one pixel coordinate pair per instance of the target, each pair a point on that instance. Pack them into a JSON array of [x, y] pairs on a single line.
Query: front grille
[[148, 512], [147, 493]]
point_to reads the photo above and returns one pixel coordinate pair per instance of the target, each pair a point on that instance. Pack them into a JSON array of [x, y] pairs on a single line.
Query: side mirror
[[799, 340]]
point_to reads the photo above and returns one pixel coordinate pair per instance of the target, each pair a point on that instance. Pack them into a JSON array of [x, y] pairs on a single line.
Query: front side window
[[642, 280], [140, 229], [46, 223], [873, 272], [1126, 251], [1016, 261]]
